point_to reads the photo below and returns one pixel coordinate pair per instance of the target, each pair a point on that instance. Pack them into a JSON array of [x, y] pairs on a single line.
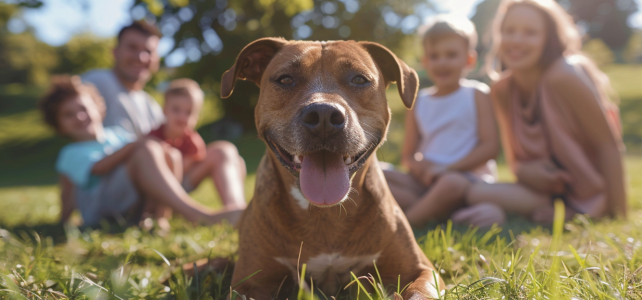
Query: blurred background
[[201, 40]]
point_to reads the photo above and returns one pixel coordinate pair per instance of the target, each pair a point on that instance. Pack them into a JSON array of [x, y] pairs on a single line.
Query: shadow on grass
[[57, 231], [18, 98], [29, 163], [39, 232]]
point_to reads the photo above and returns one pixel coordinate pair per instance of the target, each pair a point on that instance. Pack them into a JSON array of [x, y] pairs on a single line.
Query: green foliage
[[6, 11], [606, 20], [23, 59], [83, 53]]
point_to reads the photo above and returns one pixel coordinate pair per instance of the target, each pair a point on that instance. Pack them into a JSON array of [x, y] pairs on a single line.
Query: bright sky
[[58, 20]]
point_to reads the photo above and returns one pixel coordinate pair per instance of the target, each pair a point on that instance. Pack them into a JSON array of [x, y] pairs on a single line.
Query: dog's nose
[[323, 119]]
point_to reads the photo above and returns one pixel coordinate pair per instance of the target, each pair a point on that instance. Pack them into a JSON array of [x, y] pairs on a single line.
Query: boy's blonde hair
[[63, 88], [445, 25], [185, 87]]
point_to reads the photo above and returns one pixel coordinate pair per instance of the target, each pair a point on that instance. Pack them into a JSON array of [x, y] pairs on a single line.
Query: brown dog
[[320, 197]]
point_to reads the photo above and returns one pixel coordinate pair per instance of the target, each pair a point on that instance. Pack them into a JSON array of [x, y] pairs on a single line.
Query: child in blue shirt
[[113, 174]]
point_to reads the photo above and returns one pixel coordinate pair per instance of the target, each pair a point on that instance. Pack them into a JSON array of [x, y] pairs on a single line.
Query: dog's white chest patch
[[331, 272], [323, 265], [296, 193]]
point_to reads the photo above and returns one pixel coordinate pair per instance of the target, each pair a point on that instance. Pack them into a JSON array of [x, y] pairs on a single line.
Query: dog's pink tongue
[[324, 178]]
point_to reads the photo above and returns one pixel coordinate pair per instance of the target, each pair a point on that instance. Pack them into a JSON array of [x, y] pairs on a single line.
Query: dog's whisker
[[352, 200], [344, 208], [364, 124]]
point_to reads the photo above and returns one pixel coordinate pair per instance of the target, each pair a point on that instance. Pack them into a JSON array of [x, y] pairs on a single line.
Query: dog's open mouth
[[324, 176]]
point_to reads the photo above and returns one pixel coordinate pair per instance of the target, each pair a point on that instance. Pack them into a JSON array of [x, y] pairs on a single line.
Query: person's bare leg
[[174, 160], [154, 179], [481, 215], [511, 197], [227, 169], [161, 213], [404, 188], [445, 196]]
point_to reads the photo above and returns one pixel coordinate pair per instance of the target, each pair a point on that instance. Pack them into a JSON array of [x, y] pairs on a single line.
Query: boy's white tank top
[[448, 126]]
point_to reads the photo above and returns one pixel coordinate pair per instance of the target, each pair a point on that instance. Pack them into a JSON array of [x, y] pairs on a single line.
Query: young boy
[[113, 174], [183, 102], [451, 138], [220, 161]]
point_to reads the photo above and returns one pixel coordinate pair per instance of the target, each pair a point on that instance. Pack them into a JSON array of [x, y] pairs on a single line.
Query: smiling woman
[[561, 133]]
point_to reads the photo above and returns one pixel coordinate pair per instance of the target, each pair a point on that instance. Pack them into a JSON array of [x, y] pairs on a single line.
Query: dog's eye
[[359, 80], [285, 80]]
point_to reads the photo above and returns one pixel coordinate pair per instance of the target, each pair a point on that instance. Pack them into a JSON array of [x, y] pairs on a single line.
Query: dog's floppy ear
[[395, 70], [251, 63]]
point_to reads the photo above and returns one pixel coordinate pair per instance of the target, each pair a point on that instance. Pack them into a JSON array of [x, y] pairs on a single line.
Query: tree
[[84, 52], [483, 20], [23, 59], [606, 20]]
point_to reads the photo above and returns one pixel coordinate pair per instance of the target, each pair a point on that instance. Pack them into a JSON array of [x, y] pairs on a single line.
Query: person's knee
[[454, 181], [479, 193], [148, 146], [222, 151], [173, 154]]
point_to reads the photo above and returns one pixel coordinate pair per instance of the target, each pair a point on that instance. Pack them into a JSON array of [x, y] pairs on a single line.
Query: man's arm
[[67, 198]]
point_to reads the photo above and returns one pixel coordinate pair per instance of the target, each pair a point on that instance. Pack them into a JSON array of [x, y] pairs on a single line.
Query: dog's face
[[322, 108]]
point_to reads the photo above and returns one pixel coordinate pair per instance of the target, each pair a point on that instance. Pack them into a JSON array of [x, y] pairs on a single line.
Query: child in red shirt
[[183, 101], [219, 160]]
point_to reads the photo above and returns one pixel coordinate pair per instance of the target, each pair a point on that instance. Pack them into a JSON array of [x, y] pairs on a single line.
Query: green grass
[[40, 259]]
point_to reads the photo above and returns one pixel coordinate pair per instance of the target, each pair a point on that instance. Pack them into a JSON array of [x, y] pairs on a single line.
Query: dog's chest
[[331, 271]]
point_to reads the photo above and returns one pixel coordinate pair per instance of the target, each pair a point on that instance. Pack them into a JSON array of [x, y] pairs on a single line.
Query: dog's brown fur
[[276, 233]]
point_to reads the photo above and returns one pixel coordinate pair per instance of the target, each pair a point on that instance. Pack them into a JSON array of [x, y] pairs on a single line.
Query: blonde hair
[[185, 87], [562, 39], [445, 25]]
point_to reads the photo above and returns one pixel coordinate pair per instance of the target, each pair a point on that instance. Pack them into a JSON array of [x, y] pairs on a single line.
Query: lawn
[[40, 259]]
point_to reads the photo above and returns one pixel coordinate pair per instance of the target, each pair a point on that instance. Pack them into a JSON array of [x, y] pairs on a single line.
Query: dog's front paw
[[421, 292], [417, 296]]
